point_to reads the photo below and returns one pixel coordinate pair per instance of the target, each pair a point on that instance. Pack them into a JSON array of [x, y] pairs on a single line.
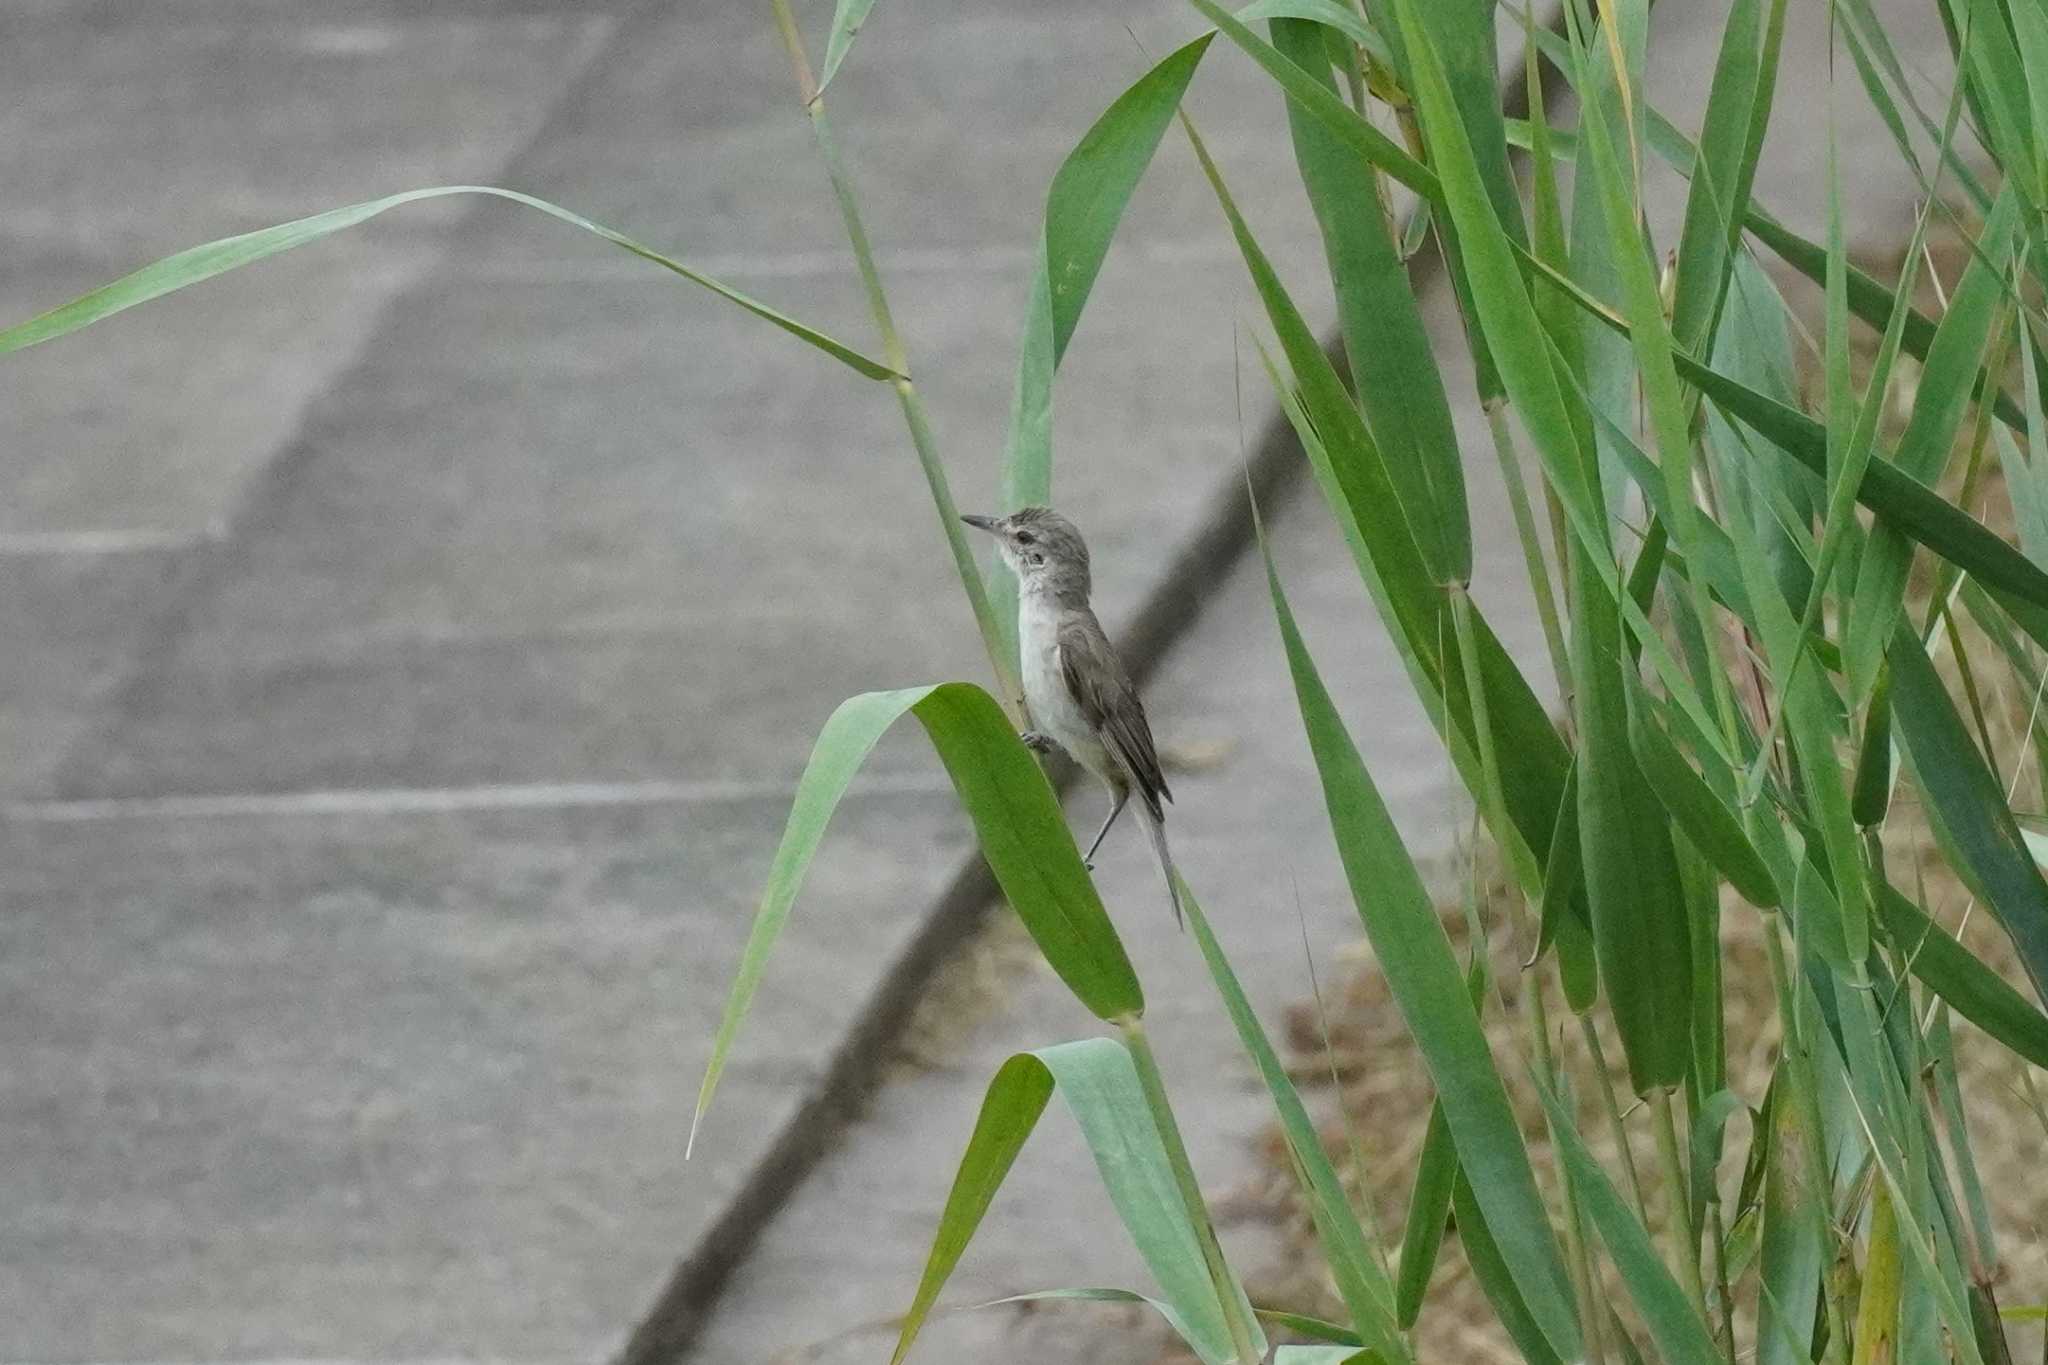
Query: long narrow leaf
[[1089, 194], [1392, 367], [1428, 988], [1101, 1088], [1673, 1320], [1966, 805], [199, 263], [1956, 974]]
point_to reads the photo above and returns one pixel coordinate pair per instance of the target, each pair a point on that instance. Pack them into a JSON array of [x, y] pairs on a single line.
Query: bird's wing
[[1097, 682]]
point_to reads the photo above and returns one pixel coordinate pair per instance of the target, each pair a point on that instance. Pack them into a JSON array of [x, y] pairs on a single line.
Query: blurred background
[[408, 647]]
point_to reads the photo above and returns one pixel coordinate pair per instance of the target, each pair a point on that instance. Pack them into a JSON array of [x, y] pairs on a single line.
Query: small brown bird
[[1081, 699]]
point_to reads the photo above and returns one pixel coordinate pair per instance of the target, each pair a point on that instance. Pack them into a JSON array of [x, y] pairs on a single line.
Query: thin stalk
[[912, 402], [1591, 1306], [1798, 1045], [1721, 1282], [1532, 546], [1614, 1120], [1679, 1186], [1140, 1048]]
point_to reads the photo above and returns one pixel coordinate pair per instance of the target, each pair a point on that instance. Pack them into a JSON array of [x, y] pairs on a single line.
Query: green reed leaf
[[1409, 941], [1089, 194], [1393, 369], [199, 263], [1966, 805], [1023, 834], [1099, 1083]]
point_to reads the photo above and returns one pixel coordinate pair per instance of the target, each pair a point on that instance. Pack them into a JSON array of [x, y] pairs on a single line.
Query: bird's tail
[[1156, 827]]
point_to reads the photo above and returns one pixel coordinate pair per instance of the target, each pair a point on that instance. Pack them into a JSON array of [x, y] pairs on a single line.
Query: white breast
[[1053, 710]]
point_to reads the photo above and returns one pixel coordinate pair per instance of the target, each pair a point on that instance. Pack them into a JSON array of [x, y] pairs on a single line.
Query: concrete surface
[[413, 641]]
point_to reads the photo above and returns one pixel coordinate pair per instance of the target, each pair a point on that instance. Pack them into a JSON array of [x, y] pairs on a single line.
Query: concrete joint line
[[450, 800]]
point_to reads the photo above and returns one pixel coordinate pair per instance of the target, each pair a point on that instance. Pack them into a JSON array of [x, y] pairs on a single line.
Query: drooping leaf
[[1352, 473], [1023, 834], [198, 263], [1713, 828], [1941, 400], [1324, 103]]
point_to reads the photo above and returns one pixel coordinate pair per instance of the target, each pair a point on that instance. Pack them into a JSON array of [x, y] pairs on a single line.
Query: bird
[[1080, 696]]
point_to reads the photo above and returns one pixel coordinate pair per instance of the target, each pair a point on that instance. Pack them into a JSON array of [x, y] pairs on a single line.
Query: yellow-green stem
[[914, 415], [1149, 1080]]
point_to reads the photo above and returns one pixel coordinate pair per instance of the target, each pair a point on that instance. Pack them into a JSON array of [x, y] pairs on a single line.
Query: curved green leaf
[[216, 258], [1017, 818], [1016, 1096], [1966, 806], [1956, 974], [1100, 1085], [1323, 102], [1355, 482], [1331, 14]]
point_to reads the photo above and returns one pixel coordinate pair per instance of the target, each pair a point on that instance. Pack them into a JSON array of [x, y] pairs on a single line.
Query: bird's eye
[[1025, 538]]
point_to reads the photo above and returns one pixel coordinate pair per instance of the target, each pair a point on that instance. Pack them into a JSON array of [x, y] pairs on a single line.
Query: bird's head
[[1042, 548]]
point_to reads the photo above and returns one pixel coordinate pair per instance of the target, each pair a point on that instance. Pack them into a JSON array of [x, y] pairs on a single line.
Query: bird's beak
[[980, 523]]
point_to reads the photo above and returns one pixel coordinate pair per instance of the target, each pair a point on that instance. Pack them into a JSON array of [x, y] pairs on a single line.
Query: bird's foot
[[1088, 863], [1036, 743]]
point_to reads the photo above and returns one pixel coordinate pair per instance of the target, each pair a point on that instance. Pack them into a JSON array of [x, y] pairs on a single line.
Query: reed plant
[[1778, 619]]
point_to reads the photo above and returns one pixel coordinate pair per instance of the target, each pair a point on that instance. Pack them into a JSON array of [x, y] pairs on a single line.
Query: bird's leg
[[1036, 742], [1123, 794]]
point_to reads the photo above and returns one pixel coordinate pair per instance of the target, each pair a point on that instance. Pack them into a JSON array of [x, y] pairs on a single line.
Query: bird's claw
[[1035, 742], [1088, 864]]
